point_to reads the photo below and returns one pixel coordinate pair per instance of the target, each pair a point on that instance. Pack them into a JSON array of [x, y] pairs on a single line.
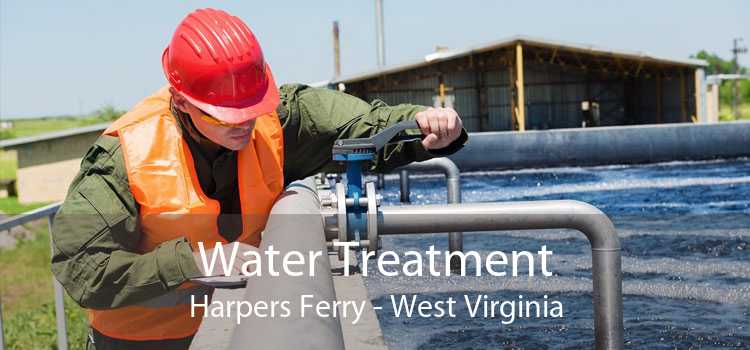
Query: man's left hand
[[441, 126]]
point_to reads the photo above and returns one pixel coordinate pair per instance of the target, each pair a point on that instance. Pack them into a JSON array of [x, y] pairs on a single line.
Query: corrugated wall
[[554, 93], [415, 91], [498, 100], [465, 97]]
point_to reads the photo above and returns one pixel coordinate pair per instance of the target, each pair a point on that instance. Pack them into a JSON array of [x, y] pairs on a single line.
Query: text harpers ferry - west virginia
[[272, 263]]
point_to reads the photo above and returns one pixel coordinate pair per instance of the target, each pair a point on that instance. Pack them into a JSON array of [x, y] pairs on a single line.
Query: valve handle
[[389, 134]]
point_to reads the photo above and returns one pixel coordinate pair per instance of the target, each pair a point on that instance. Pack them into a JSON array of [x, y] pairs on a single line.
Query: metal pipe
[[405, 191], [62, 328], [605, 245], [294, 224], [453, 185], [36, 214], [380, 32], [32, 215], [2, 333], [604, 145]]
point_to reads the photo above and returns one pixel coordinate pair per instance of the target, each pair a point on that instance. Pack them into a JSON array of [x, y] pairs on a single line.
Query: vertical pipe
[[336, 50], [605, 245], [353, 178], [381, 181], [62, 329], [380, 32], [520, 88], [607, 277], [455, 239], [405, 191], [453, 186], [2, 330]]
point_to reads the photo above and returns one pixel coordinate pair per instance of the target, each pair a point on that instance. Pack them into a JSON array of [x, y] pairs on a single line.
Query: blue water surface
[[685, 234]]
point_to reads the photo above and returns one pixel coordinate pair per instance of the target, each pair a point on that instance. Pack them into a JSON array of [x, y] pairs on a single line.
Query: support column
[[441, 90], [521, 106], [700, 115], [512, 91]]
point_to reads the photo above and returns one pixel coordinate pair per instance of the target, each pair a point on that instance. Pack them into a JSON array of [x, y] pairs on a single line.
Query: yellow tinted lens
[[209, 119], [213, 121]]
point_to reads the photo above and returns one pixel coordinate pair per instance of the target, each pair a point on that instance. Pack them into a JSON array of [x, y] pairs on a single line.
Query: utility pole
[[379, 33], [336, 50], [736, 49], [380, 45]]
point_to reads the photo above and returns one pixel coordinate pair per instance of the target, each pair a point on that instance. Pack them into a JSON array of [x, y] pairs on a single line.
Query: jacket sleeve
[[95, 237], [313, 118]]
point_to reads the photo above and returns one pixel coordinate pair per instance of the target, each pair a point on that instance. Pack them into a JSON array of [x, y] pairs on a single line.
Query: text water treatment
[[389, 264]]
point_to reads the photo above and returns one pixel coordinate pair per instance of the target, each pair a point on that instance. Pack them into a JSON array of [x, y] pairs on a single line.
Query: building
[[520, 83], [525, 83], [48, 163]]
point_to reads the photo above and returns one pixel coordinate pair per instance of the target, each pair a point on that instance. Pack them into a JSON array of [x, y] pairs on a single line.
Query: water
[[685, 233]]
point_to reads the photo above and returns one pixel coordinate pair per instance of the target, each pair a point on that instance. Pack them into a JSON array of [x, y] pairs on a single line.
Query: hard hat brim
[[263, 103]]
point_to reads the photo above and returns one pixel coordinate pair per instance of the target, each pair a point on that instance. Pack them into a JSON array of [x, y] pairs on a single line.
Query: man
[[203, 160]]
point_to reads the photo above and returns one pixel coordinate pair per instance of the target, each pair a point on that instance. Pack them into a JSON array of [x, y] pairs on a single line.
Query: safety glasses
[[213, 121]]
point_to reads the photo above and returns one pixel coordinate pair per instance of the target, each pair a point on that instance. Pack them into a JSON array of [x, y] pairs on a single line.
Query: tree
[[718, 65], [108, 112]]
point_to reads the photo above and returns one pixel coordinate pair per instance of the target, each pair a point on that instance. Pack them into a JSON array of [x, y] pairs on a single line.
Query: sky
[[72, 57]]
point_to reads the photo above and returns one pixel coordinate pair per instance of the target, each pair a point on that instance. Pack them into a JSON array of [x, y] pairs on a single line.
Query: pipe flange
[[341, 215], [372, 217]]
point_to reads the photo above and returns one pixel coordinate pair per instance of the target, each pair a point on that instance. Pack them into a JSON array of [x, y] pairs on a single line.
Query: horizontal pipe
[[594, 224], [294, 224], [445, 165], [435, 218], [604, 145], [32, 215]]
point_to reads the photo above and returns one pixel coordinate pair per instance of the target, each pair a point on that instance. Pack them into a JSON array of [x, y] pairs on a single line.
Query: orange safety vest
[[163, 181]]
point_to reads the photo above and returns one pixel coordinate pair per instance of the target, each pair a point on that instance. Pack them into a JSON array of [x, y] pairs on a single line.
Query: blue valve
[[355, 153]]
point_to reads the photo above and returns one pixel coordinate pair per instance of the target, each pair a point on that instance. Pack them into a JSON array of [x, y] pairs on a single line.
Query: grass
[[11, 206], [725, 111], [26, 291], [35, 126], [27, 297], [29, 127], [8, 165]]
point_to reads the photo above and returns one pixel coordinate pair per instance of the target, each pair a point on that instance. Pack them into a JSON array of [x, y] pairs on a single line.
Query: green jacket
[[95, 233]]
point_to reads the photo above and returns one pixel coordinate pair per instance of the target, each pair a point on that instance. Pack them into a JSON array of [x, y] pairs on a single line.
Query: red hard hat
[[215, 61]]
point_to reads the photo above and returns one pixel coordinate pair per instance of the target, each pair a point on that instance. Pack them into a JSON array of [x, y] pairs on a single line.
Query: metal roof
[[11, 143], [456, 53]]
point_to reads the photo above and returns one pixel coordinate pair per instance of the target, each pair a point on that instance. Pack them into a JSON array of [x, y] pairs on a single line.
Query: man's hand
[[239, 259], [441, 126]]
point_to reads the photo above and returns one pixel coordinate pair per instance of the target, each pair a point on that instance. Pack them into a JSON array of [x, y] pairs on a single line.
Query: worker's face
[[234, 137]]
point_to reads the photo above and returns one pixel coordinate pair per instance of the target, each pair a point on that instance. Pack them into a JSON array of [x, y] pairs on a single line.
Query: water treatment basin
[[685, 233]]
